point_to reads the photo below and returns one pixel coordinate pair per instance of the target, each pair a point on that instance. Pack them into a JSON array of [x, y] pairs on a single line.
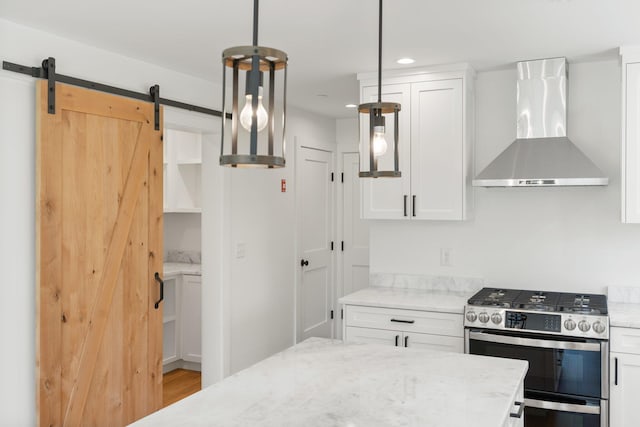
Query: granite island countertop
[[410, 299], [322, 382]]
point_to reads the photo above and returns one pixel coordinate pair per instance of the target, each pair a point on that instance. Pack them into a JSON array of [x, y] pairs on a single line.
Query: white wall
[[263, 220], [182, 231], [17, 168], [546, 238]]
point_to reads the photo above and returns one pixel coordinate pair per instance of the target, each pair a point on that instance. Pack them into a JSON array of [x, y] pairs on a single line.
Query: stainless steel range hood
[[542, 155]]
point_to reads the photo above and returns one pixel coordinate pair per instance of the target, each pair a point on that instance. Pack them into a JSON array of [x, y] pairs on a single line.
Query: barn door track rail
[[48, 71]]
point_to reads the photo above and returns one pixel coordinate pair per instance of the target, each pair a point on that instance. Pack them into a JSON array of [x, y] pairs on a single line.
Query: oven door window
[[552, 370]]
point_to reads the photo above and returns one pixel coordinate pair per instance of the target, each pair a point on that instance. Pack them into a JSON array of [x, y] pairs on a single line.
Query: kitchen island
[[322, 382]]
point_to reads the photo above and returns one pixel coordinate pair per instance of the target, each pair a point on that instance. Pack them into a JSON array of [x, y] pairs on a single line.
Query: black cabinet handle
[[518, 414], [615, 374], [406, 341], [403, 321], [413, 205], [304, 262], [397, 338], [405, 205], [161, 282]]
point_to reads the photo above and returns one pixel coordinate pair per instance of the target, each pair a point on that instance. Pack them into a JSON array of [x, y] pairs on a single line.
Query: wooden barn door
[[99, 245]]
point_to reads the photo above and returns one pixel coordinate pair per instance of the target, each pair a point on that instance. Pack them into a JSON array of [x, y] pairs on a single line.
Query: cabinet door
[[190, 318], [437, 156], [384, 198], [433, 342], [170, 321], [374, 336], [631, 146], [625, 389]]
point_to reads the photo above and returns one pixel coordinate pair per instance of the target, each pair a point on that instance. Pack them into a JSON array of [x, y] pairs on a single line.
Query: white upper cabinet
[[436, 123], [630, 148]]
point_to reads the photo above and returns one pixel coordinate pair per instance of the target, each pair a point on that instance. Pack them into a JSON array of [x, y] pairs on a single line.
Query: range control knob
[[569, 324], [496, 318], [584, 326], [471, 316], [599, 327], [484, 317]]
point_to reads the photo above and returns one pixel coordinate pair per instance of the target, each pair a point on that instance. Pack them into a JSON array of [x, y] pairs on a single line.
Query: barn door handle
[[304, 262], [161, 282]]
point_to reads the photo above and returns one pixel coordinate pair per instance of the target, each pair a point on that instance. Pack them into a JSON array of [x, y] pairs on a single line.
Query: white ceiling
[[329, 41]]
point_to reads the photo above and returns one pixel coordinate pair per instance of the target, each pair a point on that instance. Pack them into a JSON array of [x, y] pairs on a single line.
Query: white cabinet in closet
[[182, 170], [435, 146]]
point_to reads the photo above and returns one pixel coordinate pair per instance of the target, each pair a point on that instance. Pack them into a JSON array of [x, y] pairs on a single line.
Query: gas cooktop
[[541, 301], [558, 313]]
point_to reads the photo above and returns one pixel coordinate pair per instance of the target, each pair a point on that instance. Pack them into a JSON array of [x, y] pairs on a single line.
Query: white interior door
[[315, 213], [355, 231]]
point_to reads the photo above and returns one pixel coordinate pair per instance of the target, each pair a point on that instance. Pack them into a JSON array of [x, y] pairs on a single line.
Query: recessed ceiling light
[[405, 61], [351, 105]]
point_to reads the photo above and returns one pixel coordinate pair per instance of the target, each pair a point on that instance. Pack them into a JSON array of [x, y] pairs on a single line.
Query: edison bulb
[[379, 143], [246, 113]]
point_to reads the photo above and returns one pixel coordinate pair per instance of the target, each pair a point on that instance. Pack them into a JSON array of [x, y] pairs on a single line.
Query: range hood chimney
[[542, 155]]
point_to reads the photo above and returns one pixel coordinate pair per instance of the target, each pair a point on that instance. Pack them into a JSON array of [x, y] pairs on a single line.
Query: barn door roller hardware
[[48, 71]]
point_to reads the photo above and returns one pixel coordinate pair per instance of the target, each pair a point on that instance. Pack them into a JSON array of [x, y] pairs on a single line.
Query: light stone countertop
[[624, 315], [175, 268], [411, 299], [322, 382]]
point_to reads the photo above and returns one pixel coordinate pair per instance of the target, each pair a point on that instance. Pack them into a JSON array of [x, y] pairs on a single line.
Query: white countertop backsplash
[[322, 382], [426, 282], [416, 292], [624, 306]]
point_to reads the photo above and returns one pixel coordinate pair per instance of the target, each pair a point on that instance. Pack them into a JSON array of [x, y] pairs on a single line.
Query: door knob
[[304, 262]]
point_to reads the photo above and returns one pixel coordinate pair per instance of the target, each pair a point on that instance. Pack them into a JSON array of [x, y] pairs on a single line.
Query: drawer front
[[434, 342], [425, 322], [625, 340], [373, 336]]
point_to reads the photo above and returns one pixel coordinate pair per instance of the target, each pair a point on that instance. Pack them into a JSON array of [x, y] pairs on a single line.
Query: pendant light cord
[[255, 22], [379, 53]]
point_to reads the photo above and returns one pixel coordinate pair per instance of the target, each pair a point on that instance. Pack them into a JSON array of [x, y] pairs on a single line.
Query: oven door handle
[[559, 406], [529, 342]]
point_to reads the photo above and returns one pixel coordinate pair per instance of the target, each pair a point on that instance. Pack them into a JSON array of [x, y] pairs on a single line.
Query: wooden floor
[[178, 384]]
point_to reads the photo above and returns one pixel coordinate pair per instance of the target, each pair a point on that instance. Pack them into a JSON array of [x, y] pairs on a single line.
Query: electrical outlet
[[445, 257]]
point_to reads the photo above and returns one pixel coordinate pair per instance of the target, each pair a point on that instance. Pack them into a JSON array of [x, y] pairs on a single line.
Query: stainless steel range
[[565, 338]]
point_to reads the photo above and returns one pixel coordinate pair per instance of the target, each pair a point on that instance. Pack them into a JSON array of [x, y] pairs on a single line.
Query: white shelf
[[182, 171]]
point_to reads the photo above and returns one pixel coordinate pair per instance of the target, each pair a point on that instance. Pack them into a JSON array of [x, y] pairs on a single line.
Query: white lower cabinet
[[625, 377], [170, 321], [404, 328], [190, 319], [181, 327], [516, 416]]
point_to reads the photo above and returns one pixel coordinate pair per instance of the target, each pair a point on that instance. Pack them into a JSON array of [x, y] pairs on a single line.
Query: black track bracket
[[49, 68], [154, 91]]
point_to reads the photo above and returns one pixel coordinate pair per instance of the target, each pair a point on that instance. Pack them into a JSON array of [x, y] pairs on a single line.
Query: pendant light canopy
[[375, 152], [254, 88]]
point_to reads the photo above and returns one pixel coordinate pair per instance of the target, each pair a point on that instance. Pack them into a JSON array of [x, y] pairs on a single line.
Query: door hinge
[[332, 245], [331, 314], [342, 313], [342, 177], [342, 245], [331, 176]]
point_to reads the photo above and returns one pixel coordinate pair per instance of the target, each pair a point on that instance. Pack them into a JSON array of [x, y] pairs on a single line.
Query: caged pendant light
[[256, 98], [374, 115]]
